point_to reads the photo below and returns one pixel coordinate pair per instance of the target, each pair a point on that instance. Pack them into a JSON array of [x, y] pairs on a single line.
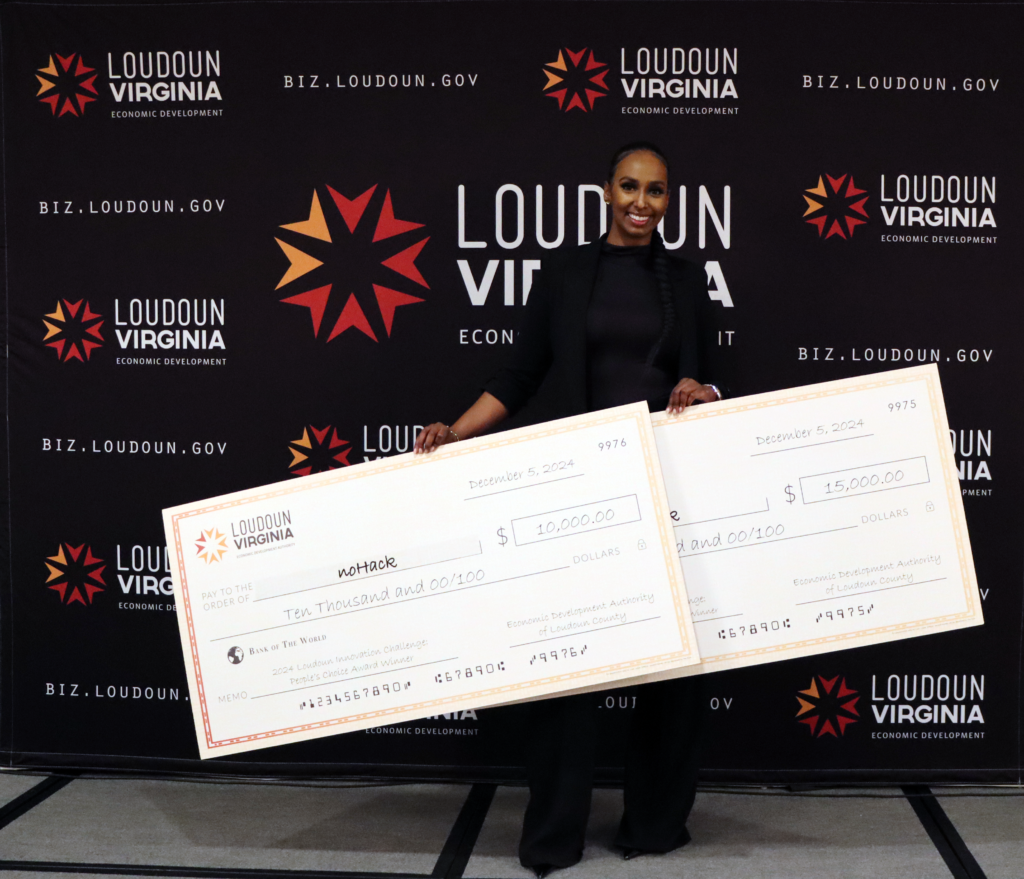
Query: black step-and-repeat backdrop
[[248, 242]]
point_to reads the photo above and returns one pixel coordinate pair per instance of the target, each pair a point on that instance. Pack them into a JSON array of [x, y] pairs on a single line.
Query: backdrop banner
[[249, 242]]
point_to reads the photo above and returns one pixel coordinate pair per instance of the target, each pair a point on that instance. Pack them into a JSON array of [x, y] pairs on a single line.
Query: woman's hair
[[659, 255], [638, 146]]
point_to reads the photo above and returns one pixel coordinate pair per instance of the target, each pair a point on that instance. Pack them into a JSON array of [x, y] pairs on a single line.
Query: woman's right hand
[[486, 413], [432, 436]]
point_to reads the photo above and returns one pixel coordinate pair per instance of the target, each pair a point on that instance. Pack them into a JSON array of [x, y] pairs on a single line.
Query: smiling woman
[[637, 190], [613, 322]]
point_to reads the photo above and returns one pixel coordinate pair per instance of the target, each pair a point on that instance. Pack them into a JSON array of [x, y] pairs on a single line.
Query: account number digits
[[474, 671], [355, 695], [754, 629]]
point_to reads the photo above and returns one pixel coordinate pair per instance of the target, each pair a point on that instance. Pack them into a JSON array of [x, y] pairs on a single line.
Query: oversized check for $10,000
[[493, 570], [819, 518]]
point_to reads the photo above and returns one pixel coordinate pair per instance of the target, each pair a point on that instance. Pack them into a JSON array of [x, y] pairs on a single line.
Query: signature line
[[583, 632], [883, 589]]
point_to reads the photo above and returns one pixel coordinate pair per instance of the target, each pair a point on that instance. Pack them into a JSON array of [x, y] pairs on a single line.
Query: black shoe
[[542, 870], [629, 853]]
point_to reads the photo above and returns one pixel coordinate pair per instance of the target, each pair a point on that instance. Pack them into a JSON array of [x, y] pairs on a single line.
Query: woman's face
[[638, 194]]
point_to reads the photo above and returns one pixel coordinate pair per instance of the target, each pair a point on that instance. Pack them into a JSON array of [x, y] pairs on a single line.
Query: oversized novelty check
[[490, 571], [820, 518]]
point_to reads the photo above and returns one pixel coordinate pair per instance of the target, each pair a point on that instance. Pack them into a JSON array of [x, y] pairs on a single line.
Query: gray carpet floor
[[13, 786], [105, 826], [395, 829], [22, 874], [736, 836], [992, 827]]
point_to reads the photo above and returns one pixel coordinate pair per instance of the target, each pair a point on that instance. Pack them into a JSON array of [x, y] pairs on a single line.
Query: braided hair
[[659, 255]]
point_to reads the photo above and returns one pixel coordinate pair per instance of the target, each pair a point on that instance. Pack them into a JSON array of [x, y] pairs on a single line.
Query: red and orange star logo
[[324, 451], [577, 84], [836, 209], [211, 546], [73, 330], [78, 572], [71, 90], [325, 256], [828, 706]]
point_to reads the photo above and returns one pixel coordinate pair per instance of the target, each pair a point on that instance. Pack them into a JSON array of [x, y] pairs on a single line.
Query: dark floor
[[267, 831]]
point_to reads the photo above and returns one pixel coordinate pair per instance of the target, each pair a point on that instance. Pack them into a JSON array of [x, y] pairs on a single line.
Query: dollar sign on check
[[790, 497], [502, 538]]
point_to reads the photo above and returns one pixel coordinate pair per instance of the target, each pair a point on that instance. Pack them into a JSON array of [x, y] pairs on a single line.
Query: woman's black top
[[624, 326], [552, 345]]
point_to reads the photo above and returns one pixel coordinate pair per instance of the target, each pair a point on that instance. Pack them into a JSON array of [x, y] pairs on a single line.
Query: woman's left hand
[[689, 391]]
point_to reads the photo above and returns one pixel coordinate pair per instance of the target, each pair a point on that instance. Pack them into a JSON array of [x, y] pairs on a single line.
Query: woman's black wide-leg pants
[[661, 772]]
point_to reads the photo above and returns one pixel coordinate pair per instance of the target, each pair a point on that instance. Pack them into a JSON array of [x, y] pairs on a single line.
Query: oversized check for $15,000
[[819, 518], [491, 571]]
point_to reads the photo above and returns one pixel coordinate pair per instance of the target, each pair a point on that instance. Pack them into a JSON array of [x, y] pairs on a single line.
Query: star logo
[[323, 451], [838, 208], [339, 251], [576, 84], [79, 574], [211, 546], [66, 90], [73, 330], [827, 706]]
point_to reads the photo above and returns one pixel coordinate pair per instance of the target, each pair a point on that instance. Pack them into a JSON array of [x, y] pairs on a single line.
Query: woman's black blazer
[[552, 340]]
